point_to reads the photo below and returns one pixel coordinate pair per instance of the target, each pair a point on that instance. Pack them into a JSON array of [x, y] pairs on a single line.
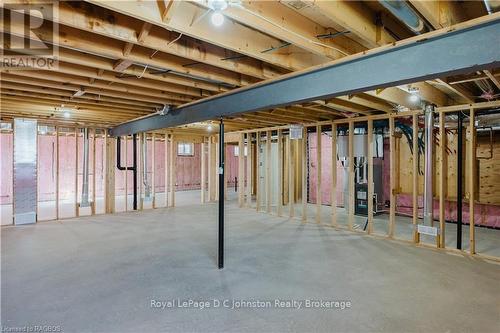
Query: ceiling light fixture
[[67, 114], [217, 6], [414, 95], [209, 128]]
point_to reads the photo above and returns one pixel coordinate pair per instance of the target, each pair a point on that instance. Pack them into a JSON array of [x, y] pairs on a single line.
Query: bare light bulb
[[217, 19], [67, 114], [209, 128], [414, 98]]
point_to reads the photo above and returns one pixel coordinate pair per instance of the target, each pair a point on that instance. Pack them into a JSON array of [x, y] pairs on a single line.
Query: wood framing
[[110, 145], [442, 179], [267, 179], [291, 176], [334, 175], [350, 168], [318, 174], [392, 154], [241, 170], [369, 197], [257, 172], [203, 171], [304, 174], [172, 167], [472, 180], [249, 162], [279, 201]]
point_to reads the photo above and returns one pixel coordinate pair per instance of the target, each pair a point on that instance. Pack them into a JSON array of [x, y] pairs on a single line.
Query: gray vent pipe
[[406, 14], [428, 190]]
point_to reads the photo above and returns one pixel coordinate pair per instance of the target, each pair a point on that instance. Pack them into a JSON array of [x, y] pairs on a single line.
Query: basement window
[[185, 149]]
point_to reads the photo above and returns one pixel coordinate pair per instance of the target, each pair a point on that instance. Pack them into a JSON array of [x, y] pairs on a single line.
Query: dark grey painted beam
[[460, 51]]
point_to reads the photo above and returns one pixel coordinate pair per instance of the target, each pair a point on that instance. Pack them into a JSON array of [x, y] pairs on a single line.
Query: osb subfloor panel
[[100, 274]]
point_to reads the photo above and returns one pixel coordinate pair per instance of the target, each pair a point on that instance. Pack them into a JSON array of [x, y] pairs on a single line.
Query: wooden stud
[[334, 175], [110, 174], [268, 171], [77, 206], [416, 235], [203, 174], [318, 174], [279, 200], [57, 172], [442, 180], [153, 168], [472, 181], [165, 183], [291, 177], [93, 173], [172, 170], [350, 168], [249, 170], [304, 175], [210, 169], [125, 173], [241, 170], [140, 171], [369, 196], [257, 172], [392, 209]]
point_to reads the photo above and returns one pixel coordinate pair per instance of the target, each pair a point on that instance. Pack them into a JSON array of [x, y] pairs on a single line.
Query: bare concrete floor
[[99, 274]]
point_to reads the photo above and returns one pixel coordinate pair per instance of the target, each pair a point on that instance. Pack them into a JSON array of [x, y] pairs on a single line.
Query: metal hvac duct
[[428, 190], [406, 14], [85, 169]]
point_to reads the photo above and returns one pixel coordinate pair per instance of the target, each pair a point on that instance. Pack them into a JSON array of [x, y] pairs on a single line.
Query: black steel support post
[[459, 178], [134, 165], [221, 195]]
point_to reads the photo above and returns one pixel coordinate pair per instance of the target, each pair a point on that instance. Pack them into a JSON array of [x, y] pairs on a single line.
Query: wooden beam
[[350, 217], [392, 169], [369, 197], [493, 79], [318, 174], [127, 48], [122, 65], [334, 175], [144, 32]]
